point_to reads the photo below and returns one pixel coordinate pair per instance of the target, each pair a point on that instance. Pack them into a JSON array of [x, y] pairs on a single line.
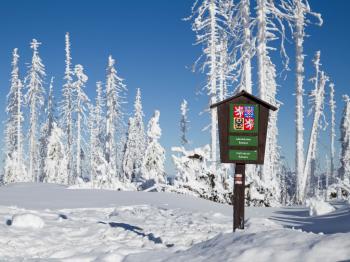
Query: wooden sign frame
[[226, 132]]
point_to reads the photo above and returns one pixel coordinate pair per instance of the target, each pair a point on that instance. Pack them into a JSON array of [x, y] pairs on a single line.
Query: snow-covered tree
[[184, 123], [317, 100], [100, 174], [246, 79], [298, 12], [14, 164], [241, 35], [35, 100], [99, 114], [56, 161], [195, 175], [154, 157], [344, 170], [210, 22], [92, 138], [114, 121], [46, 130], [333, 135], [136, 142], [66, 109], [80, 108], [224, 68], [270, 28]]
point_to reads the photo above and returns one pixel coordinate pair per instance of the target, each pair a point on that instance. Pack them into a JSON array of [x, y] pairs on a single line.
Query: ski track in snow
[[99, 225]]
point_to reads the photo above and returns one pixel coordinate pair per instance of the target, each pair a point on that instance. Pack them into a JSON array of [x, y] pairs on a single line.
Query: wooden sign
[[242, 133], [242, 128]]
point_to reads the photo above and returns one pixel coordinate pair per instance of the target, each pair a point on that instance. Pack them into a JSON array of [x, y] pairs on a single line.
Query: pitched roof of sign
[[250, 96]]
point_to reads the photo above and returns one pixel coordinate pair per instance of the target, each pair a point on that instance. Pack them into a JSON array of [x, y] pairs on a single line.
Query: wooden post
[[238, 197]]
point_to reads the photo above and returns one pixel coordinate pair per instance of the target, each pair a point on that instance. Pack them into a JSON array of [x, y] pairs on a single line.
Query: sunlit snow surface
[[93, 225]]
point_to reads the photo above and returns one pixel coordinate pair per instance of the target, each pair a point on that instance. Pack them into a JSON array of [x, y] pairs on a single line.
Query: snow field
[[101, 225], [103, 234]]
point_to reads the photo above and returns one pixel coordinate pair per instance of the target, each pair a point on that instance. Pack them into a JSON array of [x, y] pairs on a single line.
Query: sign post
[[243, 121], [238, 197]]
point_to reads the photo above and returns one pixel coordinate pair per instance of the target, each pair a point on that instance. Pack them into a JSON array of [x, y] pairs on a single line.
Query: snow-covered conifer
[[14, 165], [99, 114], [333, 135], [184, 123], [100, 174], [210, 22], [298, 12], [56, 161], [66, 109], [46, 130], [344, 170], [240, 28], [270, 28], [195, 175], [35, 100], [154, 157], [114, 120], [317, 100], [80, 109], [224, 75], [136, 142]]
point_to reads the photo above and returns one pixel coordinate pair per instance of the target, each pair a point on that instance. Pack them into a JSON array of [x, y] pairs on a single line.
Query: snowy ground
[[42, 221]]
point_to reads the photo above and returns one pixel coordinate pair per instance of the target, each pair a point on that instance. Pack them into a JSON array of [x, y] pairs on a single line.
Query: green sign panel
[[243, 141], [244, 118], [236, 155]]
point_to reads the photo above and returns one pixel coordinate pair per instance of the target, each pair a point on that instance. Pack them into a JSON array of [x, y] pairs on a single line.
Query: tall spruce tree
[[56, 161], [114, 119], [333, 135], [154, 157], [317, 106], [80, 109], [210, 23], [66, 110], [298, 13], [136, 142], [35, 99], [46, 129], [344, 170], [14, 164]]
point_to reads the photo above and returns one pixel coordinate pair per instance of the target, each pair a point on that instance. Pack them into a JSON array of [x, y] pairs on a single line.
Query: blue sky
[[154, 50]]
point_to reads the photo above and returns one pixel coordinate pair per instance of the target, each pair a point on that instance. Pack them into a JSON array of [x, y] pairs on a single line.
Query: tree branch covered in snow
[[184, 123]]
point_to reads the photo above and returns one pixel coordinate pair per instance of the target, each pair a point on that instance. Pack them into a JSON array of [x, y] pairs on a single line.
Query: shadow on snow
[[332, 223], [136, 230]]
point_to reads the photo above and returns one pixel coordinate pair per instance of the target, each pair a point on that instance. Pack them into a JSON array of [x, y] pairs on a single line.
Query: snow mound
[[27, 221], [318, 207]]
